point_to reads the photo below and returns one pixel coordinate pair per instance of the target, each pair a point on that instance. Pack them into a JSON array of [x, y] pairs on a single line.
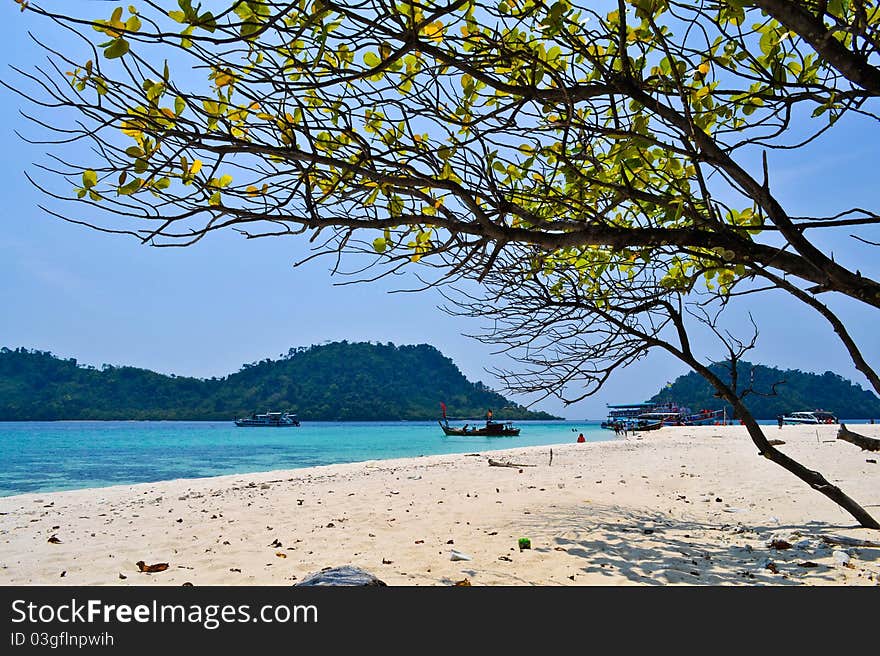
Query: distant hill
[[333, 382], [800, 391]]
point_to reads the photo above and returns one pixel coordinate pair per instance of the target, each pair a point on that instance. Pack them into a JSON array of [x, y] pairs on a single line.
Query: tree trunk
[[812, 478], [866, 443]]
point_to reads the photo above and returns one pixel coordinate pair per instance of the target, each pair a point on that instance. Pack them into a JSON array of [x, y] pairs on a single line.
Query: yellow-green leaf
[[434, 31], [129, 188], [371, 59], [116, 49]]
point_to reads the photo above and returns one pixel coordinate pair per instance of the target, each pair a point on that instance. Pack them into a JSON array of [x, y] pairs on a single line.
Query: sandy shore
[[693, 506]]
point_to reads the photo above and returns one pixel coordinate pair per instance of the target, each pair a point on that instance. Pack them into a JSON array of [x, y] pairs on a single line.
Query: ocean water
[[68, 455]]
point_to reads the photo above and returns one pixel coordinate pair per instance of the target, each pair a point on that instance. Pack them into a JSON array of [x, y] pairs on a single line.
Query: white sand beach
[[685, 505]]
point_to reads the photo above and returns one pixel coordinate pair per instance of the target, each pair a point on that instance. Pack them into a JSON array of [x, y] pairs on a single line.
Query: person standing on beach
[[779, 420]]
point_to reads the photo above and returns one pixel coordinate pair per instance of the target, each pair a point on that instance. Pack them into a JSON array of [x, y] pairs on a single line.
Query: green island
[[794, 390], [339, 381]]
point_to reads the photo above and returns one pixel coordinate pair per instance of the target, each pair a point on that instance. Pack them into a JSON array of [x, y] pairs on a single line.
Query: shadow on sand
[[657, 549]]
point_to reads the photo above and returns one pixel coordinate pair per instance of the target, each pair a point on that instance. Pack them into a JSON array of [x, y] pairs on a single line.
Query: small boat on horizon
[[269, 419]]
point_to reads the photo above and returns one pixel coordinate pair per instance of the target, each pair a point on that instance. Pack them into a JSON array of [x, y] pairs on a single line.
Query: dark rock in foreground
[[345, 575]]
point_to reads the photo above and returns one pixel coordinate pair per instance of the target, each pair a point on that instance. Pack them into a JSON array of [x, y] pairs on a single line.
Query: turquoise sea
[[68, 455]]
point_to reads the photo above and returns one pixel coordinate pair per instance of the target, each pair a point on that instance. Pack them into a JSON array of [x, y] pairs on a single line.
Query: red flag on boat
[[443, 407]]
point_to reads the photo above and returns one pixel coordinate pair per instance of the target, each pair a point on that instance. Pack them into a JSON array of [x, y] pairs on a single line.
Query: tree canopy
[[592, 133], [331, 382], [603, 169], [611, 139]]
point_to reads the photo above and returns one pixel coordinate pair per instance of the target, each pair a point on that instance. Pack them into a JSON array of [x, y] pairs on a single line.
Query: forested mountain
[[799, 391], [338, 381]]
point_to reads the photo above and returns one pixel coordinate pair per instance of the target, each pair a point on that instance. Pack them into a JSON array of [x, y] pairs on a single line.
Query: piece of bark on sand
[[866, 443], [150, 569]]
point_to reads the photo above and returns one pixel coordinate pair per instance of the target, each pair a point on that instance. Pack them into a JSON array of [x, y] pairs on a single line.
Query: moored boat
[[270, 419], [646, 426], [674, 418], [620, 416], [810, 417], [491, 429], [631, 416], [636, 425], [705, 418]]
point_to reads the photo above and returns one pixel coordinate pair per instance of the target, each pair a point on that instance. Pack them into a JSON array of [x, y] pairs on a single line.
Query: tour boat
[[271, 419], [810, 417], [632, 415]]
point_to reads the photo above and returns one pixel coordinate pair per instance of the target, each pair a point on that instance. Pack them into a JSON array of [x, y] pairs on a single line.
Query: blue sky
[[205, 310]]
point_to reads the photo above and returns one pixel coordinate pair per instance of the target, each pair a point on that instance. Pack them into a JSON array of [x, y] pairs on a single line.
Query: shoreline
[[681, 505], [104, 454], [172, 465]]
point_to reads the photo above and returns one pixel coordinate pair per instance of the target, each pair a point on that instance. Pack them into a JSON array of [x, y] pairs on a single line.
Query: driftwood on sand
[[849, 542], [866, 443], [498, 463]]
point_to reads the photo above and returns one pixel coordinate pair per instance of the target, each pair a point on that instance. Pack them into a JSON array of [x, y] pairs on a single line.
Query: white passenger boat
[[270, 419], [810, 417]]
